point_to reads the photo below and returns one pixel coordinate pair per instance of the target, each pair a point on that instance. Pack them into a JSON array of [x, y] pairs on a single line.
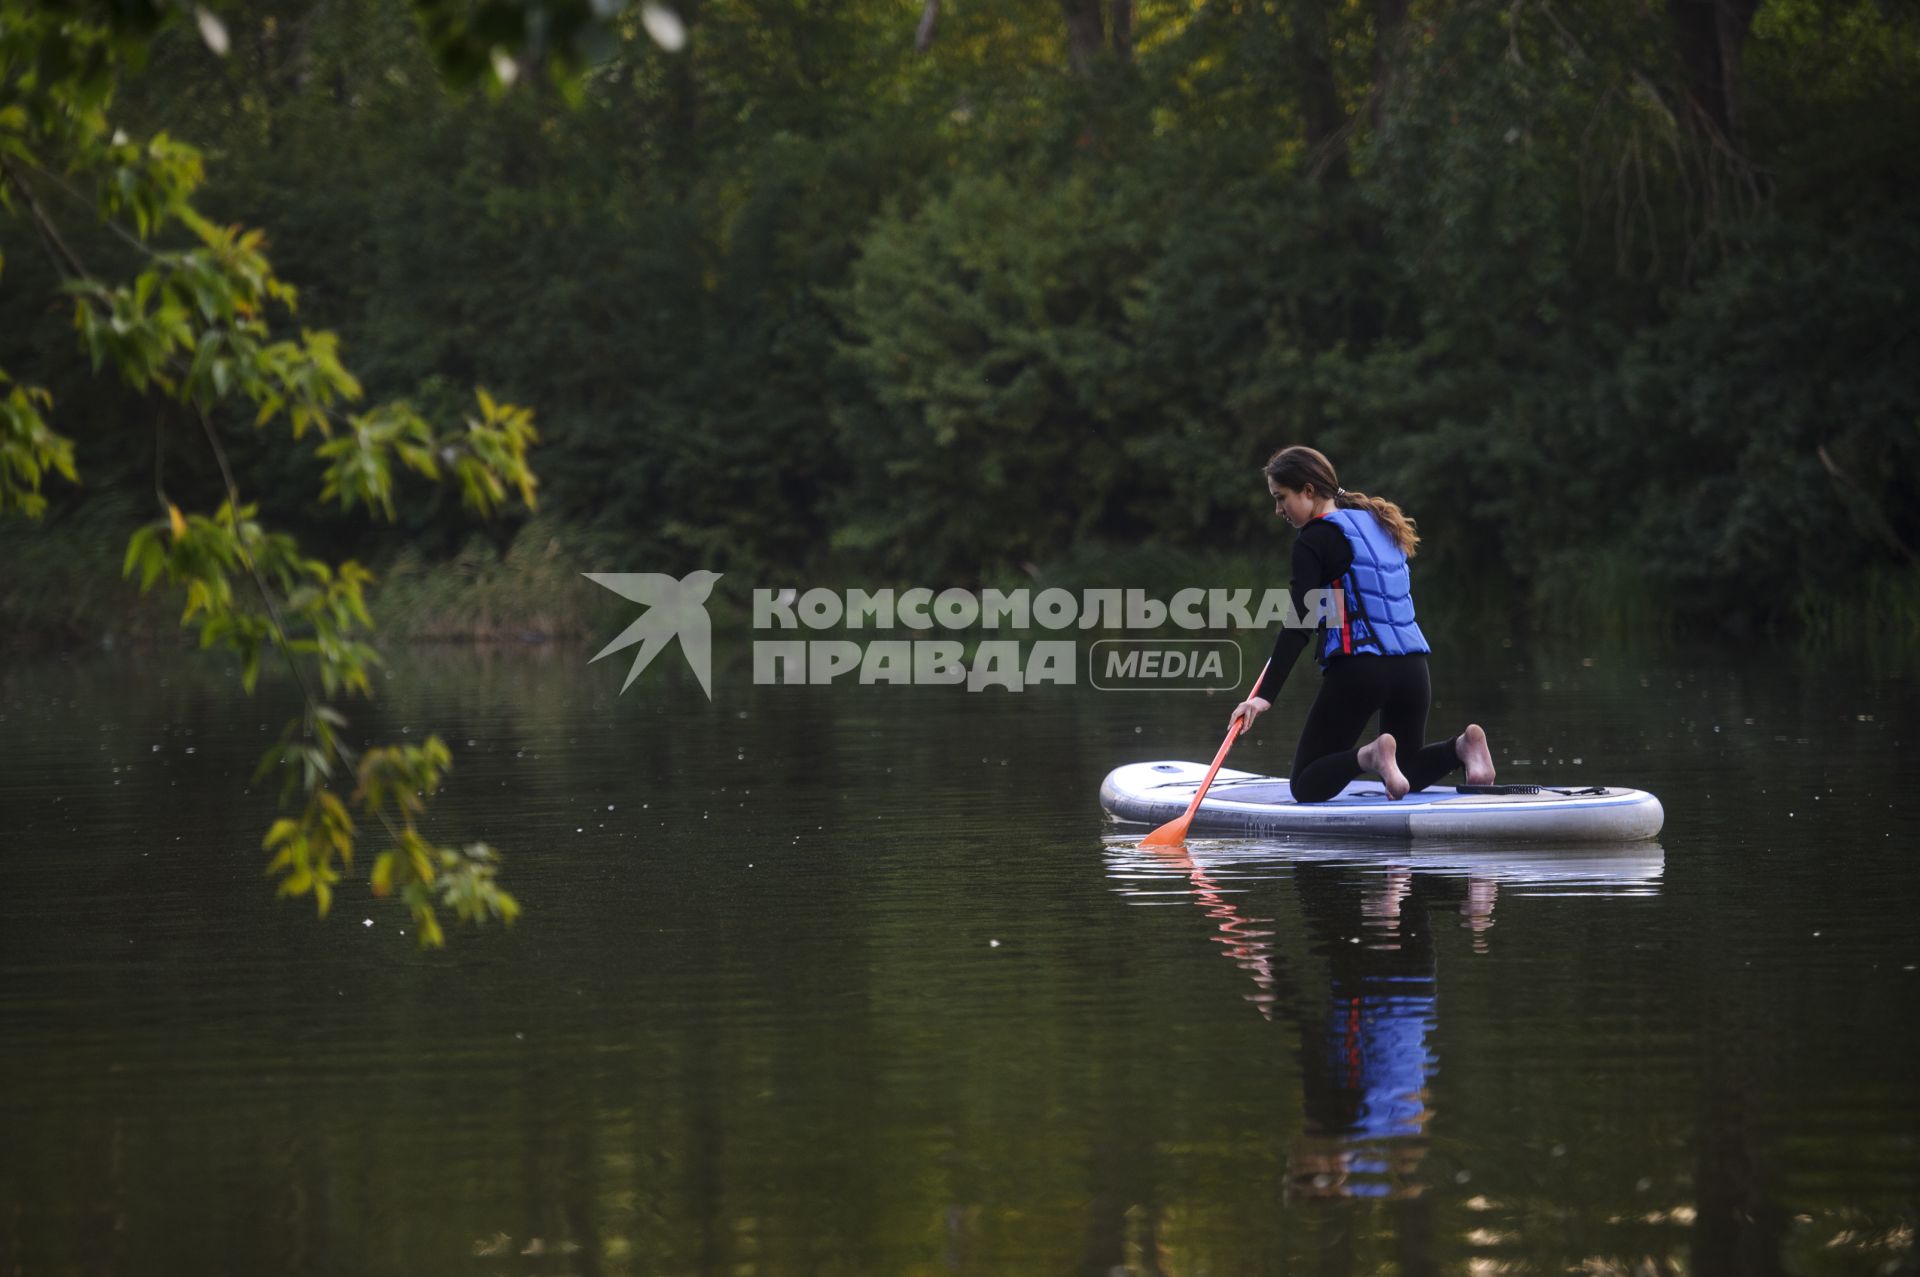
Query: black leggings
[[1352, 690]]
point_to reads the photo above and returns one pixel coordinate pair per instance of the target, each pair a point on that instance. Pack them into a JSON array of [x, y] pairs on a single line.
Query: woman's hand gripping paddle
[[1174, 832]]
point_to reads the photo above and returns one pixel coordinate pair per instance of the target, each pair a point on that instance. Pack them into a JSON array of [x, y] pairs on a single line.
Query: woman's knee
[[1307, 789]]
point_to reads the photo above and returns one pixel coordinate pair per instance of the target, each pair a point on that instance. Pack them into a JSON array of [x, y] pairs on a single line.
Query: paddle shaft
[[1219, 758]]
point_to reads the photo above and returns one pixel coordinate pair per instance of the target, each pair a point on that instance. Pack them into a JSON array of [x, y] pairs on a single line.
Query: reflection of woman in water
[[1365, 1059]]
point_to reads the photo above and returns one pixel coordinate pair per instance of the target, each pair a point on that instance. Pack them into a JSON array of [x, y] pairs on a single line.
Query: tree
[[192, 318]]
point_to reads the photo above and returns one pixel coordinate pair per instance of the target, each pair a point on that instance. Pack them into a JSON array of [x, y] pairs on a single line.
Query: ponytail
[[1391, 517], [1299, 468]]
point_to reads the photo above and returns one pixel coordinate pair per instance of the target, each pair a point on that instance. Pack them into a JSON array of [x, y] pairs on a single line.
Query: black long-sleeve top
[[1321, 555]]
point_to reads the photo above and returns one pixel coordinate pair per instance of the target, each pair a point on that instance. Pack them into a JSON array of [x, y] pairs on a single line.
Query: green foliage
[[63, 575], [1795, 457], [531, 590], [1882, 608], [1242, 324], [194, 330], [1548, 314], [799, 296], [29, 449], [984, 326]]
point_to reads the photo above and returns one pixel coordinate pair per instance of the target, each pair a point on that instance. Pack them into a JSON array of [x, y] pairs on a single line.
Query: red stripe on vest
[[1340, 607]]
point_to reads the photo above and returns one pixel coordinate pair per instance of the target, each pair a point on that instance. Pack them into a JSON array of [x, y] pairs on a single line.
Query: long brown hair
[[1300, 468]]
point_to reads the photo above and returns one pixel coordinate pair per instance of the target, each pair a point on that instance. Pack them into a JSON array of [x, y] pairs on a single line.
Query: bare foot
[[1379, 757], [1470, 747]]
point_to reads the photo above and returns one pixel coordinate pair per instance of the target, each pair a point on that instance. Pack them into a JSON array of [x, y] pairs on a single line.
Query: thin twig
[[1876, 516], [1329, 149], [1572, 42], [1646, 206], [67, 188], [159, 459], [66, 261], [281, 638]]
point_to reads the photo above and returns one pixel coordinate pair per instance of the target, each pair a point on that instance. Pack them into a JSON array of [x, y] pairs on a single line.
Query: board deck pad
[[1249, 805]]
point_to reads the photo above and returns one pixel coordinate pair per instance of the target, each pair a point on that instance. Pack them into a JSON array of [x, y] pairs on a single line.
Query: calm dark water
[[848, 981]]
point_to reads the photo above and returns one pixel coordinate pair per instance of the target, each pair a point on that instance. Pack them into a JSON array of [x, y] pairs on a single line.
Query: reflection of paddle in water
[[1250, 948]]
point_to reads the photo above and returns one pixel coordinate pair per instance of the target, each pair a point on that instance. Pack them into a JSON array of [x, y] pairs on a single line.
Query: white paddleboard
[[1245, 805]]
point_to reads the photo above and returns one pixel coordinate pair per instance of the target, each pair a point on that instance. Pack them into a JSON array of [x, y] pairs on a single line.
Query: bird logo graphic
[[674, 609]]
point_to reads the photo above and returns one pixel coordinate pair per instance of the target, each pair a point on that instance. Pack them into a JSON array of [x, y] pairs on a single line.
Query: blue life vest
[[1373, 602]]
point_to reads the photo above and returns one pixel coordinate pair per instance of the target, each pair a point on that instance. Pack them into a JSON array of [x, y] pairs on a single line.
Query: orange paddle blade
[[1175, 830]]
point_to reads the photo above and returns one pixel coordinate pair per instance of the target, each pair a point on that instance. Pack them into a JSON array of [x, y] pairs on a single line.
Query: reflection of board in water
[[1248, 805], [1599, 869]]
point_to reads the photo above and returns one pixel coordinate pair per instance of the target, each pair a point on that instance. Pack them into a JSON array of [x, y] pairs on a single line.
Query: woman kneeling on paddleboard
[[1372, 655]]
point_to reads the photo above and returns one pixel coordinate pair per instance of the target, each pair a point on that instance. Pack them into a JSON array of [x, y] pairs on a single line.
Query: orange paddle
[[1174, 832]]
